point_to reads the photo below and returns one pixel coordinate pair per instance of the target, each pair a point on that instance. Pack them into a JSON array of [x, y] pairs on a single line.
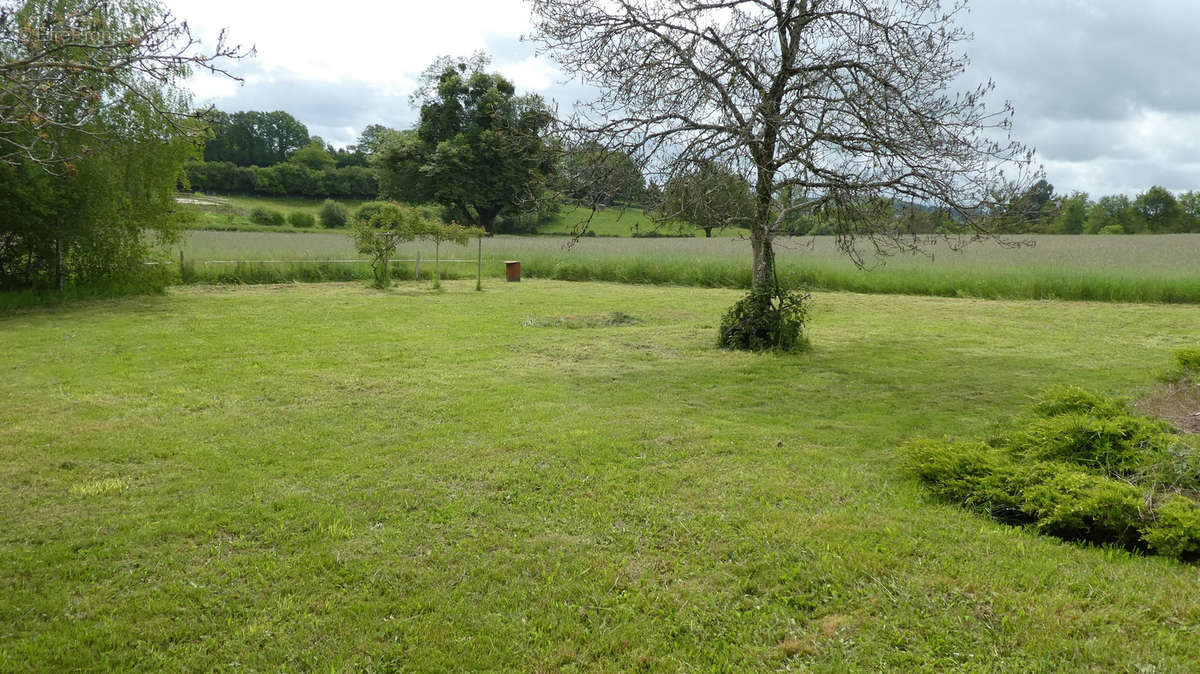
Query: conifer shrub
[[1176, 529], [1079, 466]]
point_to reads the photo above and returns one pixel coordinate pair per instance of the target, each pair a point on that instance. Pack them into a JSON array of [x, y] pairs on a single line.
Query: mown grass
[[328, 477], [1119, 269]]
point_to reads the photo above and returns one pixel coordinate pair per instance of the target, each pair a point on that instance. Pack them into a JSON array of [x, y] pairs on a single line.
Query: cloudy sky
[[1107, 90]]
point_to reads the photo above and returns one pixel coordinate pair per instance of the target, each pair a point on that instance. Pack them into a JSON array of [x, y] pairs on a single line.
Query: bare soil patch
[[1177, 402]]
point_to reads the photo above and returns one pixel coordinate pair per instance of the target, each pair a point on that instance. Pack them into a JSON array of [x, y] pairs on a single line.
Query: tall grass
[[1159, 269]]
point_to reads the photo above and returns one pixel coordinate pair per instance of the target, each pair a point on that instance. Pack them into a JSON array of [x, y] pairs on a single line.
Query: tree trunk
[[487, 219], [760, 232], [58, 265]]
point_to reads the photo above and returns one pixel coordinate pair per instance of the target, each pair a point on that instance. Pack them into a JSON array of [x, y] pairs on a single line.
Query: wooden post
[[437, 257], [417, 273], [479, 266], [181, 264]]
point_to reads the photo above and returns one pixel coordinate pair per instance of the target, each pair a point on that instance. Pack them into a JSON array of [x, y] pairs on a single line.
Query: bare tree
[[64, 64], [843, 102]]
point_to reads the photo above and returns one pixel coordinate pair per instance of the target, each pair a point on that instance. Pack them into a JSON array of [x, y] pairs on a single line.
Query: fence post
[[180, 264], [417, 273], [479, 266]]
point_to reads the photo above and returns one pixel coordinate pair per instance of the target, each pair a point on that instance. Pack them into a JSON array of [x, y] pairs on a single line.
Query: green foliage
[[1188, 360], [980, 477], [334, 215], [261, 215], [378, 227], [1081, 467], [315, 157], [286, 179], [1175, 531], [1076, 400], [480, 150], [301, 219], [252, 138], [1114, 446], [766, 319], [1080, 506], [709, 196]]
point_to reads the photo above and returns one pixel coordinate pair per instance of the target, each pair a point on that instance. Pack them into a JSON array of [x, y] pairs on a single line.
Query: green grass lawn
[[329, 477]]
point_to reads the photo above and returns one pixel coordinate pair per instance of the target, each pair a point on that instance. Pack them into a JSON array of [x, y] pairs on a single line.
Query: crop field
[[328, 477], [623, 222], [1106, 268]]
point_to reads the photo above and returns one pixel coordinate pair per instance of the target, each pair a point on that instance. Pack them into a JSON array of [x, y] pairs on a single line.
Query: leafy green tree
[[252, 138], [593, 175], [480, 150], [1158, 209], [378, 227], [1113, 214], [68, 66], [99, 166], [1072, 214], [1189, 203], [708, 196], [314, 156]]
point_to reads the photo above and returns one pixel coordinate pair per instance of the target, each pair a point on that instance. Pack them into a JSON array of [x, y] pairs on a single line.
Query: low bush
[[334, 215], [974, 474], [1116, 446], [1176, 529], [765, 320], [1075, 400], [266, 216], [1079, 506], [301, 219], [1080, 466]]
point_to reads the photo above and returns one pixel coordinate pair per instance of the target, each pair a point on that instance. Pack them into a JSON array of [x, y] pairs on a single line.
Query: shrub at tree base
[[1083, 467], [766, 319]]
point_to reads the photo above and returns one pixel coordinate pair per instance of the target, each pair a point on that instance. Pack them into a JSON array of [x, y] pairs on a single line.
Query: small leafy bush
[[766, 319], [267, 216], [1176, 530], [334, 215], [301, 219], [1188, 360]]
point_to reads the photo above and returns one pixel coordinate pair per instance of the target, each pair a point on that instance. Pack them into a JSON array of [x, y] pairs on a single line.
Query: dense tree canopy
[[708, 196], [94, 131], [72, 70], [252, 138], [480, 149]]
